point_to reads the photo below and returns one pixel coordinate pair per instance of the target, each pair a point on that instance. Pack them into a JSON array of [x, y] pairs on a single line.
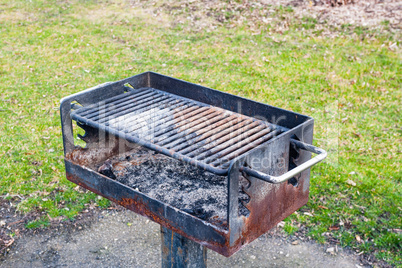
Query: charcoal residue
[[107, 169], [244, 198], [174, 182]]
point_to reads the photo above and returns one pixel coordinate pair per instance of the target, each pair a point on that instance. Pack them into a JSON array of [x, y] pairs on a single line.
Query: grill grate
[[194, 132]]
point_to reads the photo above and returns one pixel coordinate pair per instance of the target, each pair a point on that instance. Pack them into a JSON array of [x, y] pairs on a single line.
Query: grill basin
[[259, 153]]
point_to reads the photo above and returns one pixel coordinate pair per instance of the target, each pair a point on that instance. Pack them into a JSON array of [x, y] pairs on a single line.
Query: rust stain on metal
[[270, 209], [95, 152], [195, 110]]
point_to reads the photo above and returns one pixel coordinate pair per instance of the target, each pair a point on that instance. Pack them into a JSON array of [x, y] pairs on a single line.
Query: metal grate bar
[[173, 123], [142, 110], [150, 111], [245, 149], [198, 147], [176, 128], [168, 117], [243, 140], [110, 104], [134, 106], [199, 134], [184, 130], [228, 140], [155, 116], [95, 107], [113, 108]]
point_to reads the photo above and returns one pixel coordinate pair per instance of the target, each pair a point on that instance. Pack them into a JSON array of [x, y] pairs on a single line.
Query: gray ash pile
[[171, 181]]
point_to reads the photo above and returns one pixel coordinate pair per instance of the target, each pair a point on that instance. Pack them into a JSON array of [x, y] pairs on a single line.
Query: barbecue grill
[[211, 167]]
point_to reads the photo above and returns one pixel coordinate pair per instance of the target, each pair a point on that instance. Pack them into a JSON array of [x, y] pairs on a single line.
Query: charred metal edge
[[91, 96], [200, 231]]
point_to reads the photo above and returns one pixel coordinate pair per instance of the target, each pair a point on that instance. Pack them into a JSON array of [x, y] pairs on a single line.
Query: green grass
[[38, 223], [350, 83]]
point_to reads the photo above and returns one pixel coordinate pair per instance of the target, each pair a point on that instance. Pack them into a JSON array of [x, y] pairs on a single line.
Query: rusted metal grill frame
[[269, 203]]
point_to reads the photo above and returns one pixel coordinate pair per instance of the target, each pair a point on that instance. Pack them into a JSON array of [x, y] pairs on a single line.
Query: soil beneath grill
[[121, 238], [174, 182]]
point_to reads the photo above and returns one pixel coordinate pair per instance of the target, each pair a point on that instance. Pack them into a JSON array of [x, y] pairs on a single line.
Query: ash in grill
[[174, 182], [200, 134]]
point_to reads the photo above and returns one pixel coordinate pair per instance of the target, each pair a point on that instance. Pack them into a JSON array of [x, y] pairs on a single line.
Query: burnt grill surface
[[202, 135], [175, 183]]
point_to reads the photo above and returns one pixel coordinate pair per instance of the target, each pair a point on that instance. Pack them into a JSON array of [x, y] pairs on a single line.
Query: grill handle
[[321, 155]]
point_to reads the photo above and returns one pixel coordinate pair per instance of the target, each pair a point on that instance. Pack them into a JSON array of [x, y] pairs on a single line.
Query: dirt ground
[[370, 13], [120, 238], [331, 15]]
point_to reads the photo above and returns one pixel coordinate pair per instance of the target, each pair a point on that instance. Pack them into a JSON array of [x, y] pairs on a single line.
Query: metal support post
[[181, 252]]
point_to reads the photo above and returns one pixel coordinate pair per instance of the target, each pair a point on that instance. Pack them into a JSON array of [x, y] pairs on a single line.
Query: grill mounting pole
[[181, 252]]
